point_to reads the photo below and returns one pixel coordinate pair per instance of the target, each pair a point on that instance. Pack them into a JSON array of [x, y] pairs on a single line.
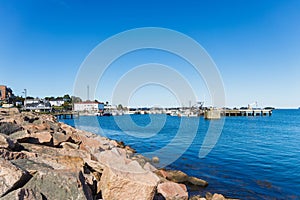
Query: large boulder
[[69, 163], [69, 130], [176, 176], [125, 179], [41, 137], [218, 197], [41, 150], [25, 136], [197, 181], [23, 194], [32, 165], [33, 128], [116, 156], [8, 128], [13, 155], [10, 111], [11, 177], [180, 177], [6, 142], [131, 182], [59, 138], [69, 145], [172, 191], [56, 184]]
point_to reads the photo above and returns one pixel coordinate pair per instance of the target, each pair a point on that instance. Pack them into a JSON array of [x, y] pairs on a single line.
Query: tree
[[67, 106], [67, 98], [19, 99], [76, 99], [120, 107], [49, 98]]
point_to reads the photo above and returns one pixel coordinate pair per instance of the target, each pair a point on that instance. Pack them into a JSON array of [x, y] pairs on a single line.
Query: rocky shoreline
[[41, 158]]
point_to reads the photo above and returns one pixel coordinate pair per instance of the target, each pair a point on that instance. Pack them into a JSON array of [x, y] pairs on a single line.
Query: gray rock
[[23, 194], [56, 184], [8, 128], [12, 155], [197, 181], [177, 176], [32, 166]]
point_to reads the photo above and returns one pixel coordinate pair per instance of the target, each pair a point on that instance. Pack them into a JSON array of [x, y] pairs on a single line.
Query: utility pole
[[25, 93], [88, 92]]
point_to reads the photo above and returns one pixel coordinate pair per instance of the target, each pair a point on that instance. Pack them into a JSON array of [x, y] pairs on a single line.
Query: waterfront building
[[56, 102], [38, 107], [31, 101], [5, 93], [88, 106]]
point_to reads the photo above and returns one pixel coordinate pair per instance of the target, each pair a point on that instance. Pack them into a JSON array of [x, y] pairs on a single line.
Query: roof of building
[[89, 102]]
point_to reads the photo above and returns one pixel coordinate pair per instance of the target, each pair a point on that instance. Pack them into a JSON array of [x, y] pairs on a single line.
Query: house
[[38, 106], [56, 102], [88, 106], [5, 93], [31, 101]]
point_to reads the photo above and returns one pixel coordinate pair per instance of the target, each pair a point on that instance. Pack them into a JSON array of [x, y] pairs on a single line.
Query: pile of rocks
[[41, 158]]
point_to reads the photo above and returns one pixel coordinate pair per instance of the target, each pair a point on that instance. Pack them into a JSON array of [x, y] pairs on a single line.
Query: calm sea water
[[254, 158]]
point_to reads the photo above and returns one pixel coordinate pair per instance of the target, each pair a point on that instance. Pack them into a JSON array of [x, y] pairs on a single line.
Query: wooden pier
[[66, 115]]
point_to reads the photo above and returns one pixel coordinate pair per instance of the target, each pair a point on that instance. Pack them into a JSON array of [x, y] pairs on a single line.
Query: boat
[[107, 114]]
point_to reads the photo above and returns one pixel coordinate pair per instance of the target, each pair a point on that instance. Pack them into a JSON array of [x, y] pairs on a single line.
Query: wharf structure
[[218, 113], [246, 112], [66, 115]]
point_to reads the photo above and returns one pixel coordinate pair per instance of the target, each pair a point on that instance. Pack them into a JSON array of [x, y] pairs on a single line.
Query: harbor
[[207, 113]]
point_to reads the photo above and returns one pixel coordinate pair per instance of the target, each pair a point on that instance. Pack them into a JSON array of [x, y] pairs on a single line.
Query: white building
[[87, 106], [30, 101], [57, 102]]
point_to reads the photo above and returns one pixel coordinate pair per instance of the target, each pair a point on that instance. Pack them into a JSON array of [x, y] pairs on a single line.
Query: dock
[[218, 113], [66, 115], [246, 112]]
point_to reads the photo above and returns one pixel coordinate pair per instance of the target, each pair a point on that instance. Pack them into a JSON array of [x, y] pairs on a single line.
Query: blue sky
[[255, 45]]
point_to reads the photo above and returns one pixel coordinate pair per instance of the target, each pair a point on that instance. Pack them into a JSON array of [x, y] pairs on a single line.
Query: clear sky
[[255, 45]]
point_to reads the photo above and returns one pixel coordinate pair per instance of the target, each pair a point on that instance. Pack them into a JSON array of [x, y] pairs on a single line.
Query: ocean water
[[254, 157]]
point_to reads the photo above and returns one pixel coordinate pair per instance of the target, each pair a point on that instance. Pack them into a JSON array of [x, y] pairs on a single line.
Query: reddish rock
[[162, 173], [172, 191], [128, 181], [69, 145], [11, 176], [42, 137], [218, 197], [58, 138], [69, 130], [149, 167], [6, 142], [95, 165]]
